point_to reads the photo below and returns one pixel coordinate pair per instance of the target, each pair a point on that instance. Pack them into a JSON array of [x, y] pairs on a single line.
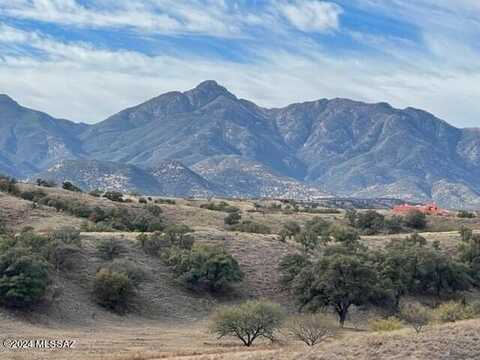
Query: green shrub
[[108, 249], [153, 244], [394, 225], [46, 183], [370, 222], [383, 325], [309, 240], [67, 235], [415, 315], [143, 223], [290, 229], [249, 226], [248, 321], [221, 206], [24, 278], [34, 195], [113, 196], [232, 218], [9, 185], [452, 311], [466, 214], [474, 307], [65, 256], [67, 185], [205, 265], [312, 328], [154, 210], [180, 236], [96, 227], [113, 290], [165, 201], [96, 193], [416, 220], [134, 272], [142, 200]]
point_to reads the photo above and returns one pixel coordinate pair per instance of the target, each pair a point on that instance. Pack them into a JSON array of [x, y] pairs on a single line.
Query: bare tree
[[311, 329]]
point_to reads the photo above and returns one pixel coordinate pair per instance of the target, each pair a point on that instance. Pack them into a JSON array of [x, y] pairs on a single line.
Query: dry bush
[[453, 311], [383, 325], [108, 249], [416, 315], [312, 328]]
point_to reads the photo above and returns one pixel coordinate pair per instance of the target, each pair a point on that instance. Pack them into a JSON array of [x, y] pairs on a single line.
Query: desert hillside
[[166, 318]]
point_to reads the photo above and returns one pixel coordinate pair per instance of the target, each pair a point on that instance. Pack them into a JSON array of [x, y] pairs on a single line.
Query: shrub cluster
[[165, 201], [26, 261], [249, 226], [67, 185], [345, 273], [9, 185], [205, 265], [221, 206], [196, 265], [113, 289], [121, 219], [466, 214], [371, 222]]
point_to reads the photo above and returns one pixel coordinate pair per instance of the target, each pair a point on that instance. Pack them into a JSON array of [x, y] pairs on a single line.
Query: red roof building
[[427, 209]]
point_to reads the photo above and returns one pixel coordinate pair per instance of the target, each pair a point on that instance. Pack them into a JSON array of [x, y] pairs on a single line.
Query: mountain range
[[206, 142]]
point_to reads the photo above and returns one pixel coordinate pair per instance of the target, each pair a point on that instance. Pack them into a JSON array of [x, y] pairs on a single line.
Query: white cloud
[[210, 17], [84, 83], [312, 15]]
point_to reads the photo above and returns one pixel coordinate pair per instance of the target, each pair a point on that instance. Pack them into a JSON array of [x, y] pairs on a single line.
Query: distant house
[[427, 209]]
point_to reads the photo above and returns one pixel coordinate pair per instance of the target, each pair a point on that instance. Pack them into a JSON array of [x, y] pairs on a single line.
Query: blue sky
[[85, 60]]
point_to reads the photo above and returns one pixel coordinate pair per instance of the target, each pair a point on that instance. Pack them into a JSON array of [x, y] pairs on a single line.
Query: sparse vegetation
[[108, 249], [248, 321], [452, 311], [249, 226], [384, 325], [152, 244], [221, 206]]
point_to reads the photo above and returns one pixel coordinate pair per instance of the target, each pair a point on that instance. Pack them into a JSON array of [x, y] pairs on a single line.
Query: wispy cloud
[[291, 51], [312, 15]]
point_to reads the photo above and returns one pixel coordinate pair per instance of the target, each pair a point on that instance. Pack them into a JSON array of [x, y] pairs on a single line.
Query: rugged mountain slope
[[339, 146], [103, 175], [31, 141], [178, 180], [243, 177], [351, 147], [192, 126], [169, 178]]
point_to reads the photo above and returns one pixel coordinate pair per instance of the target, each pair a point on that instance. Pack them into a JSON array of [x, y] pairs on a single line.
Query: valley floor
[[133, 340]]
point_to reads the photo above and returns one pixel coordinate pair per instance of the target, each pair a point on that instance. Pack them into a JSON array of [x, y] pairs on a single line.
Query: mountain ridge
[[336, 146]]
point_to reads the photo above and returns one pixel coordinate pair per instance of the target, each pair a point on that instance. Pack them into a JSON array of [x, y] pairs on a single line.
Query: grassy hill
[[166, 319]]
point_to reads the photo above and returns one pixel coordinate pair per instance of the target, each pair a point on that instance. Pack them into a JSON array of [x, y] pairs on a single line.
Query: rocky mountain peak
[[207, 91], [6, 100]]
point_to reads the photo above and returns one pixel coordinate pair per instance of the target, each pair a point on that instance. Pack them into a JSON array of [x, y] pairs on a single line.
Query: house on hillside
[[427, 209]]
